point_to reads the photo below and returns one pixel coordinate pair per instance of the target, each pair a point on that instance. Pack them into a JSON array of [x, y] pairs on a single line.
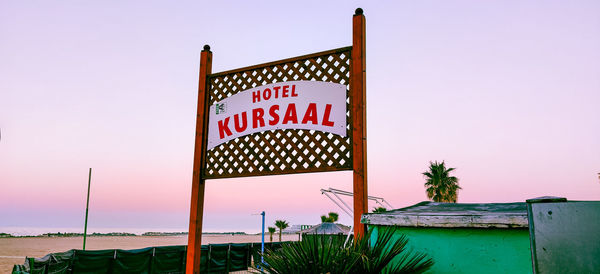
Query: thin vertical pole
[[359, 120], [262, 246], [87, 205], [197, 200]]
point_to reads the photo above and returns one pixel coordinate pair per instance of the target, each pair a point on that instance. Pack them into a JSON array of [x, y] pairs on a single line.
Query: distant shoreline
[[112, 234]]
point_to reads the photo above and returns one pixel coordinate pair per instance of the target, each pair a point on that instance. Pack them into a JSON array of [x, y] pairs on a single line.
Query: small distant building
[[327, 229], [330, 229], [296, 228], [464, 238]]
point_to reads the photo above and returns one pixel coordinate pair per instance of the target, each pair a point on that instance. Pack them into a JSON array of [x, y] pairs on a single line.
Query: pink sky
[[507, 92]]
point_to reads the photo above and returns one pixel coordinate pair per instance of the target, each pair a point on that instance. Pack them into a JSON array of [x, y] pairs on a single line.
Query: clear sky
[[507, 92]]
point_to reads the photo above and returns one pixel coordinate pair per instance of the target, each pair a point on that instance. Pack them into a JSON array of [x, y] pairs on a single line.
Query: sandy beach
[[14, 250]]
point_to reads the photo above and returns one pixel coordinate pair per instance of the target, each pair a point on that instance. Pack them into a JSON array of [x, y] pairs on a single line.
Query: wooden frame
[[358, 90], [197, 200], [277, 152]]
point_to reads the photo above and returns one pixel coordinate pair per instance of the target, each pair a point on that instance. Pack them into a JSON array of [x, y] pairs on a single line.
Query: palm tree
[[271, 231], [331, 217], [440, 186], [379, 209], [281, 224], [324, 219]]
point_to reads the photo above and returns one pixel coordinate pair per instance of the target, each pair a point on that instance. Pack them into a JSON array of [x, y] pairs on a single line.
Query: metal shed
[[462, 237]]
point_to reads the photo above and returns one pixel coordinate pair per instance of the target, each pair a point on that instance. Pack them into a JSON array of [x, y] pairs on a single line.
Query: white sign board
[[307, 105]]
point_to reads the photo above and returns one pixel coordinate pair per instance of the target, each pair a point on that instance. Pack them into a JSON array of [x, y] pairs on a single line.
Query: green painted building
[[463, 238]]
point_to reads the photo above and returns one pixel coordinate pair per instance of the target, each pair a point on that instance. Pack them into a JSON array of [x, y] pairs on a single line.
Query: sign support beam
[[198, 182], [358, 90]]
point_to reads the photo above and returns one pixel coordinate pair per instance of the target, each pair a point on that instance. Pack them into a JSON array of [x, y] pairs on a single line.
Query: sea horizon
[[37, 231]]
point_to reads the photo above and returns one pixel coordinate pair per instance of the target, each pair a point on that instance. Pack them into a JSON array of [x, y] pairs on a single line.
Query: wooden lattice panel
[[282, 151]]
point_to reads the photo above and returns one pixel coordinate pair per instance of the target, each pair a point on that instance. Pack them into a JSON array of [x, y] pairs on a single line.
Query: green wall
[[471, 250]]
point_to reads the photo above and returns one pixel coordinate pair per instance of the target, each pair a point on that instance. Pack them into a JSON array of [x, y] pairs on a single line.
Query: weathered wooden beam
[[489, 220], [359, 120], [197, 201]]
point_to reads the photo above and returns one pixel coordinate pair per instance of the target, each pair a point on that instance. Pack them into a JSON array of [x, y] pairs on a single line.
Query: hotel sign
[[310, 105], [305, 114]]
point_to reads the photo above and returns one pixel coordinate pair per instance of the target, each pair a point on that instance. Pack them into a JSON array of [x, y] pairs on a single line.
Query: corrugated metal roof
[[327, 228], [432, 214]]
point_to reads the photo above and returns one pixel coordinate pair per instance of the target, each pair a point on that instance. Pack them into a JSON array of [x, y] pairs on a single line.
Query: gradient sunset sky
[[507, 92]]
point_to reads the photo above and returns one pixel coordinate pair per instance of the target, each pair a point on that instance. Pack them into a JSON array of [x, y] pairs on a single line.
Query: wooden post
[[197, 201], [359, 120]]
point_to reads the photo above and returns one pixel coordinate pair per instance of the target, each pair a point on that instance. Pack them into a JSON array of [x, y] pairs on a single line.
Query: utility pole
[[87, 205]]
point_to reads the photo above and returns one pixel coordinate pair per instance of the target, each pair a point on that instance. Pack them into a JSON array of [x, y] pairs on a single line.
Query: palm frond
[[384, 252]]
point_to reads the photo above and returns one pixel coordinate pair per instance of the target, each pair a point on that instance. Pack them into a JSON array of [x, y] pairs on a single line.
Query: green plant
[[381, 253], [271, 231], [379, 209], [331, 217], [281, 224], [440, 186]]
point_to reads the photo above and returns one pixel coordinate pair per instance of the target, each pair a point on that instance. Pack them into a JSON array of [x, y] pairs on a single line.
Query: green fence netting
[[93, 261], [133, 261], [239, 257], [170, 259], [60, 262], [215, 258]]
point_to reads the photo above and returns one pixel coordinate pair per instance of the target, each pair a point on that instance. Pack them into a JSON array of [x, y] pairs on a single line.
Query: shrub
[[380, 254]]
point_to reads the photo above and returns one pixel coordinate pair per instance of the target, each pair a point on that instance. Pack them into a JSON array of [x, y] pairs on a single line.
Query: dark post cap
[[358, 11], [547, 199], [206, 48]]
